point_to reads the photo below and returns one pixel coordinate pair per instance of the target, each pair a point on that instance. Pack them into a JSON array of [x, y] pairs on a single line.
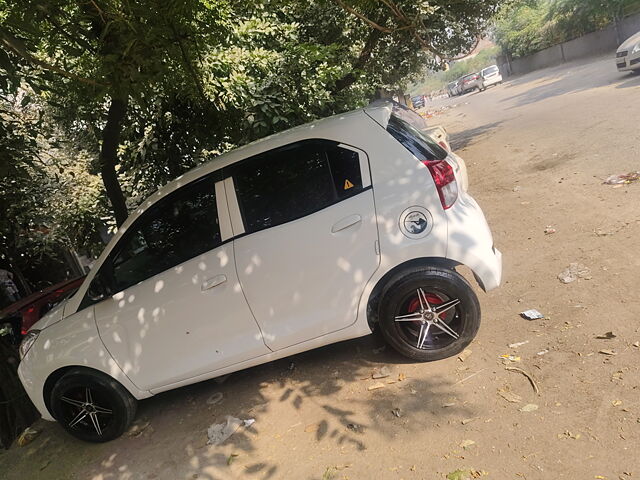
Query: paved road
[[538, 148]]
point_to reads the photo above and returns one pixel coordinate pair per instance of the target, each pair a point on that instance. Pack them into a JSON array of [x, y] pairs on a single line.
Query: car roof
[[379, 111]]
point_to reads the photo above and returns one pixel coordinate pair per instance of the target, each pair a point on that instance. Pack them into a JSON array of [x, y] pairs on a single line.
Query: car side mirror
[[98, 290]]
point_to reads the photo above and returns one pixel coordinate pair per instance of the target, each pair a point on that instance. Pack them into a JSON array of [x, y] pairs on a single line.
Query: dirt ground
[[538, 149]]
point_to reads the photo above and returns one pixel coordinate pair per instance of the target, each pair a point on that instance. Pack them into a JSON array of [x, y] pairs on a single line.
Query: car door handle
[[346, 223], [213, 282]]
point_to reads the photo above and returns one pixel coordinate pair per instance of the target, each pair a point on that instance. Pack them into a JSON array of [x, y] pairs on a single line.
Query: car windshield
[[420, 145], [410, 116]]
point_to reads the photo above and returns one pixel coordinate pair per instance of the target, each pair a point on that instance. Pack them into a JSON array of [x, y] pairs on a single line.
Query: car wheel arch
[[373, 302]]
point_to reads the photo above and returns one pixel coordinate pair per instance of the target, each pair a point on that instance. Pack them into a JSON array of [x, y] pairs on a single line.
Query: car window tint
[[294, 181], [420, 145], [489, 70], [345, 171], [177, 228]]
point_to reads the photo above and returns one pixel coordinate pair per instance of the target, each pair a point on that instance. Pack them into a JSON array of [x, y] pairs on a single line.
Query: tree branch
[[187, 62], [363, 18], [365, 55], [16, 46], [426, 45], [81, 42]]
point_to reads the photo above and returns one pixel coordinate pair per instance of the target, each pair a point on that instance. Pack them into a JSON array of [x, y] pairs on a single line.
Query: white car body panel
[[439, 134], [71, 342], [276, 278], [490, 76], [285, 270], [157, 342]]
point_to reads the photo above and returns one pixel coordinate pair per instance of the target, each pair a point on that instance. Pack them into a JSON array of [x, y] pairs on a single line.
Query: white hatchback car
[[302, 239]]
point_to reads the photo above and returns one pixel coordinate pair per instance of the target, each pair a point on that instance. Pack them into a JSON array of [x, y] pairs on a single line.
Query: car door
[[178, 310], [306, 234]]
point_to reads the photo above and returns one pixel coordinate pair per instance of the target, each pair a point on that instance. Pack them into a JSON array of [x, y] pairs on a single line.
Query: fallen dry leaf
[[312, 428], [466, 444], [607, 352], [465, 354], [529, 407], [509, 396]]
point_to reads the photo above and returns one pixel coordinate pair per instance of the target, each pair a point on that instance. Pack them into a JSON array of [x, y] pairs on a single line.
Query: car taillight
[[445, 180]]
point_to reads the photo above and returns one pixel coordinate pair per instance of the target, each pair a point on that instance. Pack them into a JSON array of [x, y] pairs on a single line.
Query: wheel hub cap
[[429, 316], [88, 411]]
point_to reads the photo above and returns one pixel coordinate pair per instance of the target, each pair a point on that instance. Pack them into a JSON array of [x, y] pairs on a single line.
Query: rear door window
[[420, 145], [294, 181]]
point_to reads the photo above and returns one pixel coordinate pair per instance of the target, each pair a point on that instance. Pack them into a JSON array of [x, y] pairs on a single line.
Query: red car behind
[[28, 310]]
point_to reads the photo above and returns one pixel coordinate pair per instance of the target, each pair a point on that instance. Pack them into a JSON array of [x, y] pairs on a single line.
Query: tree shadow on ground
[[565, 79], [463, 139], [327, 385]]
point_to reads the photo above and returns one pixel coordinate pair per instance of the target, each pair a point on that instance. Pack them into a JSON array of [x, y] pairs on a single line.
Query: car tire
[[414, 334], [92, 406]]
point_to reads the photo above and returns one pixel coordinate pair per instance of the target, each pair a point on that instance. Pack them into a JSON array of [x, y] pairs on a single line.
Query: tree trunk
[[350, 78], [16, 410], [109, 157]]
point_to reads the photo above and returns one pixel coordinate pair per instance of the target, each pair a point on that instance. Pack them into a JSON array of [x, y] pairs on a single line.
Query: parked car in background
[[419, 101], [308, 237], [628, 54], [21, 315], [470, 82], [490, 76], [453, 88]]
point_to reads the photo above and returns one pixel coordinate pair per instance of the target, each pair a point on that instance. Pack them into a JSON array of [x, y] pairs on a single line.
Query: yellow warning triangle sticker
[[347, 185]]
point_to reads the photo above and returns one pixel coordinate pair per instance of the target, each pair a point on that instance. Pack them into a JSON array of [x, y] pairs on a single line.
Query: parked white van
[[490, 76], [312, 236]]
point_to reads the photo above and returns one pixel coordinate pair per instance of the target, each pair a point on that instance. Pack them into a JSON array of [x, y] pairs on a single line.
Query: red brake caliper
[[414, 305]]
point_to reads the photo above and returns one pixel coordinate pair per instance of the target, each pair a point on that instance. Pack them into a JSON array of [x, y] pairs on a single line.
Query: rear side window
[[174, 230], [294, 181], [489, 71], [420, 145], [345, 171]]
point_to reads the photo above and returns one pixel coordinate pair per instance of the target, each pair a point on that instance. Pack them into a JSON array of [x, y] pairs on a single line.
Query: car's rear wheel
[[429, 313], [92, 406]]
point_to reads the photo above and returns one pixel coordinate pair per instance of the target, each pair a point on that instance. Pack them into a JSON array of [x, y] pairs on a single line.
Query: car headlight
[[27, 342], [636, 49]]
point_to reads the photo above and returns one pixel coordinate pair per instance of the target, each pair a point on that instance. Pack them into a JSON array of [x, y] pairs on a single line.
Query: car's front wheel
[[429, 313], [92, 406]]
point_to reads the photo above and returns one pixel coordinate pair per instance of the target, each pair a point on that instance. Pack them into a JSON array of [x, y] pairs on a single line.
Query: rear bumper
[[471, 243], [487, 82], [489, 277]]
